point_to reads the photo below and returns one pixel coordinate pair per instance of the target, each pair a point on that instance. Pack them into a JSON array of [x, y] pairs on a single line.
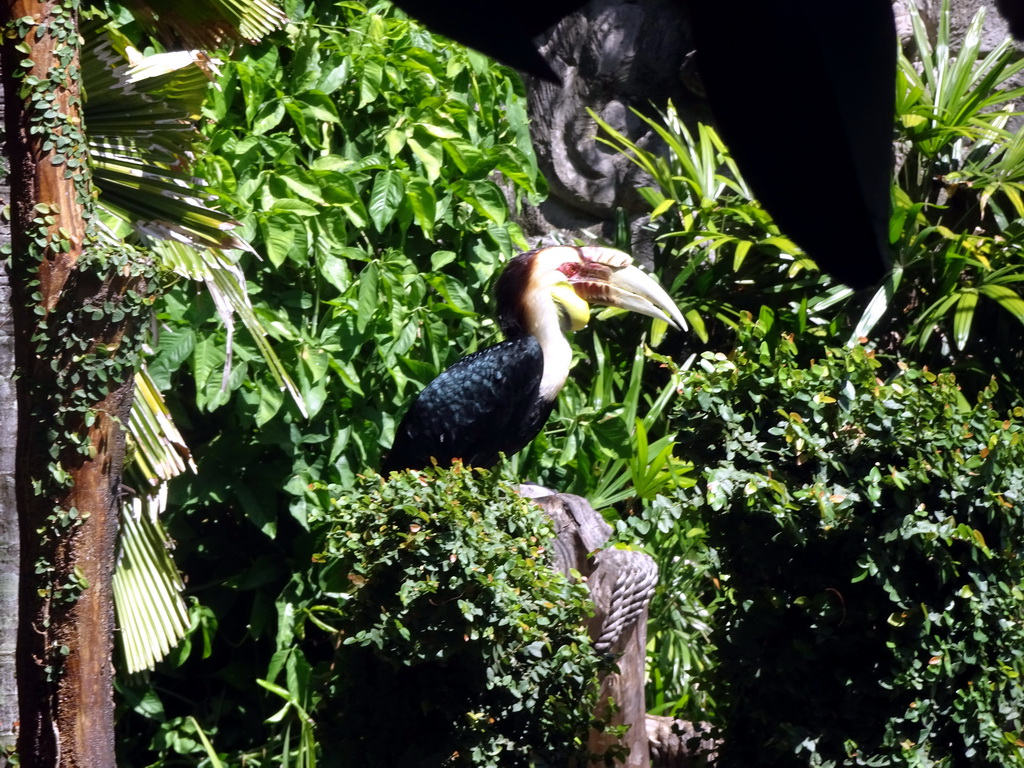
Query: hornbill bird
[[497, 400]]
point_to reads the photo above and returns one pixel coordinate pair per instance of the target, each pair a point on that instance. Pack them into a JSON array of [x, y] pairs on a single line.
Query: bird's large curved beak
[[607, 276]]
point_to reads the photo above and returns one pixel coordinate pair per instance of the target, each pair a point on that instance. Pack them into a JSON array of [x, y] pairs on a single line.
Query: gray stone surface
[[615, 55], [612, 56]]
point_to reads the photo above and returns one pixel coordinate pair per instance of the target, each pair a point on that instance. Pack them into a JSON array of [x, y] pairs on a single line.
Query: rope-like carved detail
[[636, 576], [621, 582]]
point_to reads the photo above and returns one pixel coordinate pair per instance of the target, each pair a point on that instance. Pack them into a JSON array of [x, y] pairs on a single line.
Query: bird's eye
[[569, 269]]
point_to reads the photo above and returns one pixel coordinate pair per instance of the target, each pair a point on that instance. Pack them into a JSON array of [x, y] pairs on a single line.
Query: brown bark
[[83, 713], [68, 528], [34, 176]]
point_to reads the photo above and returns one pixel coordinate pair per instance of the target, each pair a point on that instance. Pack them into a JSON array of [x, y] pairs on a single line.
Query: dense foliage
[[461, 644], [835, 531], [952, 301], [867, 518], [359, 154]]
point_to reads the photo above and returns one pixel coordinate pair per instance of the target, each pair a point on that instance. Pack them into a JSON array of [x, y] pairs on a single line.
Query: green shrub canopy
[[868, 523], [453, 617]]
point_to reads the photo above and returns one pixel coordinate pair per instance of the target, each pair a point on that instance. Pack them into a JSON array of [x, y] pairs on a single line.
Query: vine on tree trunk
[[79, 299]]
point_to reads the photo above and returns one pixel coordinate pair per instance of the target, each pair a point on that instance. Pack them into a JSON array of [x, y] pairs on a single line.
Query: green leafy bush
[[868, 523], [462, 646]]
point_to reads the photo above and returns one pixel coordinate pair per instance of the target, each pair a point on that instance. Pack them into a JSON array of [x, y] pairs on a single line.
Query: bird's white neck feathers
[[552, 310], [554, 347]]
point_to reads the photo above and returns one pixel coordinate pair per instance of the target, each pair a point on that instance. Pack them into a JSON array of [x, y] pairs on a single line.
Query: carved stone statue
[[612, 57], [621, 584]]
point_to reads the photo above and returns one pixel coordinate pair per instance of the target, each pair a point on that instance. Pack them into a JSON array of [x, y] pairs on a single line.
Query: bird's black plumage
[[486, 403]]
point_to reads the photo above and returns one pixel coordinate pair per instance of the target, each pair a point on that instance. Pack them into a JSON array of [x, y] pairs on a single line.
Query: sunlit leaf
[[1006, 297], [963, 317], [388, 191]]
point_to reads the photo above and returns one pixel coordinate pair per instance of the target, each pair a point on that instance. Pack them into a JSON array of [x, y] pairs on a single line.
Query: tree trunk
[[75, 308], [9, 536]]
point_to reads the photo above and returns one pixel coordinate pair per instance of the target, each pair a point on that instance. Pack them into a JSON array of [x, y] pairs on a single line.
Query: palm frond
[[151, 613], [141, 112], [226, 285], [141, 134], [157, 449], [208, 24]]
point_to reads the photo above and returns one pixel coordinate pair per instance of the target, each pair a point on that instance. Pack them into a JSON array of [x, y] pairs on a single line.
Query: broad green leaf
[[877, 307], [270, 401], [911, 120], [335, 271], [454, 294], [388, 191], [662, 207], [296, 207], [696, 321], [319, 107], [440, 259], [293, 182], [253, 89], [1007, 298], [282, 233], [467, 158], [314, 396], [332, 79], [439, 131], [369, 83], [742, 248], [207, 362], [348, 375], [431, 153], [613, 436], [268, 116], [369, 297], [308, 128], [423, 200], [173, 347], [487, 198], [395, 140], [317, 360], [784, 244]]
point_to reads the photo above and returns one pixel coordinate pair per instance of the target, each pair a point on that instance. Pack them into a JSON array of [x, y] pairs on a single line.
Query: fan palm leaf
[[141, 114], [208, 23]]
